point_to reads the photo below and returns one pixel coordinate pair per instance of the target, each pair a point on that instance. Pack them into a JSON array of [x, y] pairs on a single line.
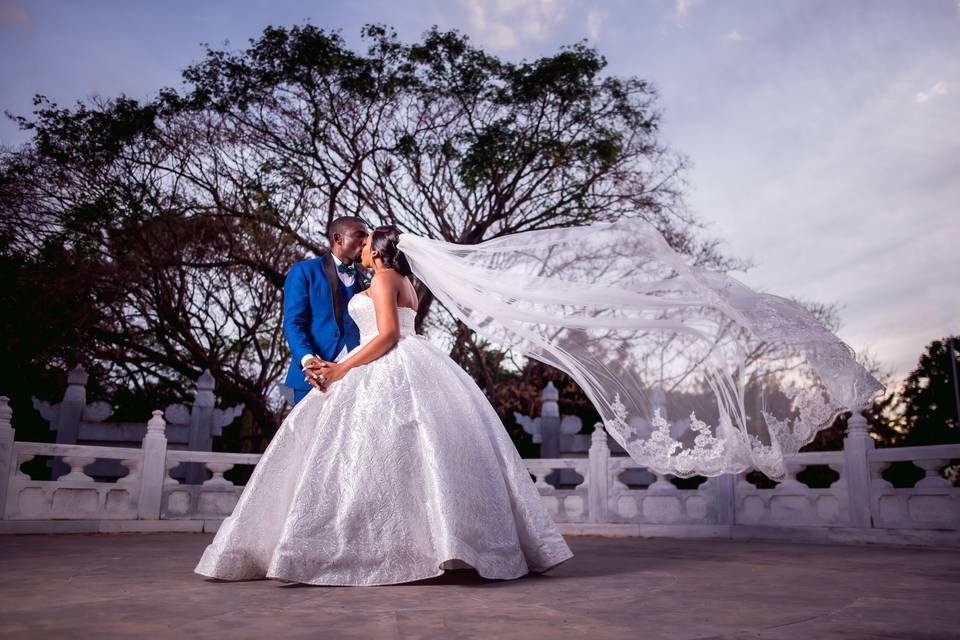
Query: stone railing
[[859, 506], [190, 427]]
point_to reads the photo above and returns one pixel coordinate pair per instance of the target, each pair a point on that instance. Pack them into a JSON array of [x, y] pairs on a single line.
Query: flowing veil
[[692, 372]]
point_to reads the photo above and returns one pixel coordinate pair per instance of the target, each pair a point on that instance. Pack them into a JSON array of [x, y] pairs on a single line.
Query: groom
[[315, 296]]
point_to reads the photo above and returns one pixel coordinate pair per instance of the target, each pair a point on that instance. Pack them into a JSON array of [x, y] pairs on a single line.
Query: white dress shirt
[[347, 279]]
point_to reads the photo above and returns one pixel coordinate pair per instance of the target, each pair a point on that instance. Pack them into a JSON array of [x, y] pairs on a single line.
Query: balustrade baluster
[[133, 466], [77, 463], [790, 482], [169, 480], [218, 469], [22, 458], [876, 475], [933, 479]]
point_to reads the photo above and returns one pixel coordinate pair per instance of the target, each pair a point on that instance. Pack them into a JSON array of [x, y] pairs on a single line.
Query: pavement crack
[[738, 633], [815, 616]]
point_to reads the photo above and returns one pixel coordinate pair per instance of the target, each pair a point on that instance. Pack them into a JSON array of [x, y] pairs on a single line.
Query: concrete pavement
[[142, 585]]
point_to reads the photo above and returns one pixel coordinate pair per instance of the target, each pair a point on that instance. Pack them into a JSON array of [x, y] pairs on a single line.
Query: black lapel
[[333, 280]]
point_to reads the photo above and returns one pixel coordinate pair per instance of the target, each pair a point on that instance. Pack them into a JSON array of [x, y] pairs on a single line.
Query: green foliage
[[929, 401], [90, 134]]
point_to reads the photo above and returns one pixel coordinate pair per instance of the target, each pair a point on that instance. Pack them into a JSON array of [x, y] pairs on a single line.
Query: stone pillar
[[550, 434], [598, 475], [201, 426], [724, 498], [856, 450], [70, 411], [154, 468], [550, 422], [8, 460]]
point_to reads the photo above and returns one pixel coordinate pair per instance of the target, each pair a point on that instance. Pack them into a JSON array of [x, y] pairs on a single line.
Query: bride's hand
[[332, 371]]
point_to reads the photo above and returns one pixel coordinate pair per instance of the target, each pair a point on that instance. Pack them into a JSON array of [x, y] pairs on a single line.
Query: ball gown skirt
[[402, 469]]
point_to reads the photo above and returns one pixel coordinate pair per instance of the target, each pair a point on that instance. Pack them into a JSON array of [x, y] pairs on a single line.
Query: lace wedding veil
[[692, 372]]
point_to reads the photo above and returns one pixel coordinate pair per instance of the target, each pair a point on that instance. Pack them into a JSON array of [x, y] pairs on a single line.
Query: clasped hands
[[320, 373]]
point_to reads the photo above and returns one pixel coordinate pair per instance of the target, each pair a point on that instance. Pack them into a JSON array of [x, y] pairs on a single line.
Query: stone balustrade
[[859, 506], [74, 494], [190, 427], [213, 499]]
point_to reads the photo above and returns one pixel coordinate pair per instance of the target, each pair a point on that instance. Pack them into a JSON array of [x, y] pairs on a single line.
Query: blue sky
[[824, 136]]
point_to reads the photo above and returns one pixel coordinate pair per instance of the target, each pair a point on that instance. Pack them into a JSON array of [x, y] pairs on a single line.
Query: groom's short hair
[[341, 225]]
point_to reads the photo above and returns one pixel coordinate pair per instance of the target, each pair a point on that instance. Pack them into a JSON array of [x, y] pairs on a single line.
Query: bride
[[393, 469]]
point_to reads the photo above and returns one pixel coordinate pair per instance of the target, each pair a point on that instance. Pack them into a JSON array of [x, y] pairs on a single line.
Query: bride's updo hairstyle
[[383, 240]]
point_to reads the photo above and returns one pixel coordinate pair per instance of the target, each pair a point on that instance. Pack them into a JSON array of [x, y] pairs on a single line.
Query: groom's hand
[[315, 363]]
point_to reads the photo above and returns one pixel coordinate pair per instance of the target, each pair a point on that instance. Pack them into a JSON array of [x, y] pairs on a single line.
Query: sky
[[823, 136]]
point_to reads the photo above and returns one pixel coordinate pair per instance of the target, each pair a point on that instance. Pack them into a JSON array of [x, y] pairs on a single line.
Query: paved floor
[[138, 586]]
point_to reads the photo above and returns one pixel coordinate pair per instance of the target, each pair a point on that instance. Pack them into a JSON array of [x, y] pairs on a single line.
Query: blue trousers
[[300, 394]]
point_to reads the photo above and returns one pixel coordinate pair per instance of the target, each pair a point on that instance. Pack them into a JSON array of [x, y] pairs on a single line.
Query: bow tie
[[349, 270]]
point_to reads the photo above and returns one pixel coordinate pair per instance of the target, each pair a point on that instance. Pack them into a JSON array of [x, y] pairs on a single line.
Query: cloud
[[732, 36], [14, 15], [595, 20], [502, 23], [682, 9], [935, 91]]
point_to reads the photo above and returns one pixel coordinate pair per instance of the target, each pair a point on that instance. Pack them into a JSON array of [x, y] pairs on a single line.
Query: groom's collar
[[337, 261]]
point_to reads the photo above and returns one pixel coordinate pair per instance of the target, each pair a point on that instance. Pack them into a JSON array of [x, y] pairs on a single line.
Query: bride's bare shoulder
[[392, 283], [384, 283], [387, 279]]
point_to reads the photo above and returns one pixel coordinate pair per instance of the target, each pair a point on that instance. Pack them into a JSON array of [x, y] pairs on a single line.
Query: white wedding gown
[[400, 470]]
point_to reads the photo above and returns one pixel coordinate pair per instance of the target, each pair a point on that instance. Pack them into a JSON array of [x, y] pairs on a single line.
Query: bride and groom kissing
[[315, 297]]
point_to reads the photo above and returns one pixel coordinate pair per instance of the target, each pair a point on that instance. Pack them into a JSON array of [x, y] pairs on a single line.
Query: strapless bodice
[[364, 314]]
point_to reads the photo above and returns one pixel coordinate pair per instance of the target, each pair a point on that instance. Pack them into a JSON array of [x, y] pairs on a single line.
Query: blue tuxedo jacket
[[314, 314]]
